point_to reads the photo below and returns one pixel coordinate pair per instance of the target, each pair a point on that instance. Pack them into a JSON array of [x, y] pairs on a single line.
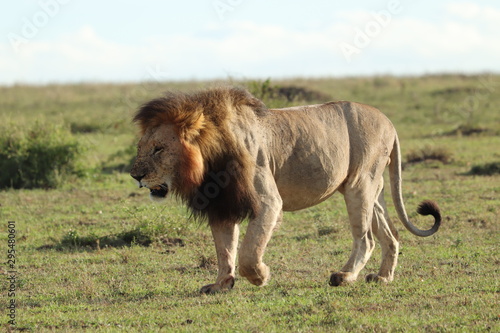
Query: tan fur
[[229, 158]]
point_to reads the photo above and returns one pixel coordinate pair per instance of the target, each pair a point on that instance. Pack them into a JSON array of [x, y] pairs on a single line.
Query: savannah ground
[[94, 254]]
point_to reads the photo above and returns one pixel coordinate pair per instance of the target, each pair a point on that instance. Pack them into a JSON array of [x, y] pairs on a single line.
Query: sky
[[73, 41]]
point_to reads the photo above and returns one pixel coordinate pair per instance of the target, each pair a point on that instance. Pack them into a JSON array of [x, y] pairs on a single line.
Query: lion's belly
[[310, 154], [302, 190], [293, 202]]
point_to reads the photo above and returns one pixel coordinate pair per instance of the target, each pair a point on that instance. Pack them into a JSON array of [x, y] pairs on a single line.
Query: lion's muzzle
[[159, 191]]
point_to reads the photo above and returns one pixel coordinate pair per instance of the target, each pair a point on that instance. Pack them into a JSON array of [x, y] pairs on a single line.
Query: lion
[[229, 158]]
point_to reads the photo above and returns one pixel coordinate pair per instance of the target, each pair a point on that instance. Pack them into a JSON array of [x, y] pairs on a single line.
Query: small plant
[[72, 239], [39, 157]]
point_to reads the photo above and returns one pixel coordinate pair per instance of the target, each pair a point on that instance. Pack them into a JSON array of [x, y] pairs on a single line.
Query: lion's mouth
[[159, 191]]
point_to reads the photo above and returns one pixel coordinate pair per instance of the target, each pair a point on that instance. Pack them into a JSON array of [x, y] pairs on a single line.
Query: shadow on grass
[[73, 241]]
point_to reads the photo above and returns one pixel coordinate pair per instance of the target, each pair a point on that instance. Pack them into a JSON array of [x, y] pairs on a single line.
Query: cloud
[[464, 39], [86, 47], [467, 10], [471, 11], [78, 56]]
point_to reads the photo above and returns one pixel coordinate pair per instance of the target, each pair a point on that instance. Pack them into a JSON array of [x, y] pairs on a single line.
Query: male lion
[[228, 157]]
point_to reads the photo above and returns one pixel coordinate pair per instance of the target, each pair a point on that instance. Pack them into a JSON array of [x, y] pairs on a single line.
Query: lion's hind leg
[[359, 200], [388, 237]]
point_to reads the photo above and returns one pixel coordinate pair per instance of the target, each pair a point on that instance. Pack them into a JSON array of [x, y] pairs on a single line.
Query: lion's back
[[317, 147]]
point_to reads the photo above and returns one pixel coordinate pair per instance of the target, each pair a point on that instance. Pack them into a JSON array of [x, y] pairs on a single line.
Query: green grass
[[83, 265]]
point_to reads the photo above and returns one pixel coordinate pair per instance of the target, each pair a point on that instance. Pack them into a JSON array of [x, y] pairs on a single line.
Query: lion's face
[[159, 157]]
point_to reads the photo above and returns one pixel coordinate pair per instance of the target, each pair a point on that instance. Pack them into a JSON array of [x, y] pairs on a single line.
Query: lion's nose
[[137, 177]]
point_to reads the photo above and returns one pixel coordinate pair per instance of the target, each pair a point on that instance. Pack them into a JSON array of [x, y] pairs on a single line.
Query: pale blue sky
[[61, 41]]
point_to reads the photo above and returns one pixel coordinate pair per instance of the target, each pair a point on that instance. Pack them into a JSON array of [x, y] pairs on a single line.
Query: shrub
[[39, 157]]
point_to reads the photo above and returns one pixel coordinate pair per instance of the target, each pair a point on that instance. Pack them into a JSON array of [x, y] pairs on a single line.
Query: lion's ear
[[193, 129]]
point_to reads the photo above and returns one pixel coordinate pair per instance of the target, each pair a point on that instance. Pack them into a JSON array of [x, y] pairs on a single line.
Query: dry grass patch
[[429, 153], [488, 169]]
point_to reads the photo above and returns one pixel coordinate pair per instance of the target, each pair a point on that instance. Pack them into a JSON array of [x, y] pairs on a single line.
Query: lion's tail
[[426, 207]]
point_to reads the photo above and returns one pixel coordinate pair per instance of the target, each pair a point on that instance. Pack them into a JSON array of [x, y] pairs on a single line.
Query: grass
[[83, 264]]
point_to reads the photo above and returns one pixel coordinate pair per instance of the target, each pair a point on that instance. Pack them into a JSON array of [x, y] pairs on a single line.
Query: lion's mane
[[211, 150]]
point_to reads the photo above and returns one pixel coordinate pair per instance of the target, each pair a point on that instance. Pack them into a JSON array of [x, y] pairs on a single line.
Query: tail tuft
[[429, 207]]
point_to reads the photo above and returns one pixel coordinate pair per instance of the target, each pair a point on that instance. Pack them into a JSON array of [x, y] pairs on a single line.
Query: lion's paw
[[258, 275], [214, 288], [376, 278], [341, 278]]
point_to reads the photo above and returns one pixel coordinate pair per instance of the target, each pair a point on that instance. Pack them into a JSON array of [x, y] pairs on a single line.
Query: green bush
[[39, 157]]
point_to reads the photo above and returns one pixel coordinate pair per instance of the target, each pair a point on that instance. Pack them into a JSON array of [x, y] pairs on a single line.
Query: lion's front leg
[[226, 244], [252, 249], [260, 230]]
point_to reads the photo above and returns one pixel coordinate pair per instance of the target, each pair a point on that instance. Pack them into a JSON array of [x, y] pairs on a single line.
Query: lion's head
[[188, 148]]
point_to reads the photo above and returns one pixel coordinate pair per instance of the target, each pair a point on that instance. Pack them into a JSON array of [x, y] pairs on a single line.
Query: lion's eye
[[157, 150]]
